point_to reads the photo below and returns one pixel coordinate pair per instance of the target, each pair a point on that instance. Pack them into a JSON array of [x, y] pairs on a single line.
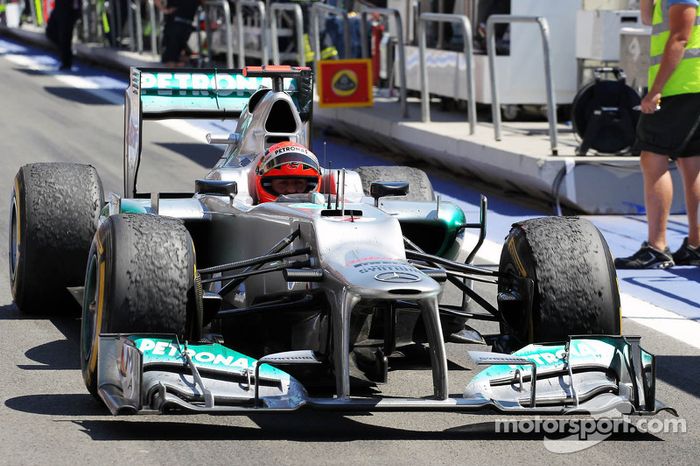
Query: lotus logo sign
[[397, 277]]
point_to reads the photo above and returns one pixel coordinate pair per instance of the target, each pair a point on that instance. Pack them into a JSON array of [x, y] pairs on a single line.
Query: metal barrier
[[317, 9], [298, 30], [468, 57], [388, 12], [134, 26], [85, 16], [260, 6], [212, 5], [154, 20], [491, 46]]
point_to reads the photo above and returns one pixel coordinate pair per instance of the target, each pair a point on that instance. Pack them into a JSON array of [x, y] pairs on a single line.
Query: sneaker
[[687, 255], [646, 258]]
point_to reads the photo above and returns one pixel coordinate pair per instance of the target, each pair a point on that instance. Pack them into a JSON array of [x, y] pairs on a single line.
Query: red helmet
[[286, 168]]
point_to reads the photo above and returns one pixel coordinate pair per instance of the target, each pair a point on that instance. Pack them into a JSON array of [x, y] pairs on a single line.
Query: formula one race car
[[339, 276]]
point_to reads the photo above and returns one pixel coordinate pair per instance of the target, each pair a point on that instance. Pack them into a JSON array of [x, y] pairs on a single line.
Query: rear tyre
[[575, 284], [140, 278], [54, 212], [420, 187]]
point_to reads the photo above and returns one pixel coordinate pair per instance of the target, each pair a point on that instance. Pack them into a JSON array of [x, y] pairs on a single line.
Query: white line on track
[[634, 309]]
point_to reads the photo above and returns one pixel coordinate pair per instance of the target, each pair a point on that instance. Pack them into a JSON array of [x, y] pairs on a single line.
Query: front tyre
[[575, 284], [54, 212], [140, 278]]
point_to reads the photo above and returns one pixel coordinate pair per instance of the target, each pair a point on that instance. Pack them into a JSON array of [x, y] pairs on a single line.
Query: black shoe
[[646, 258], [687, 255]]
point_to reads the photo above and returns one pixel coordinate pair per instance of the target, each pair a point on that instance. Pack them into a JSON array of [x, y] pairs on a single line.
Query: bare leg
[[690, 171], [658, 195]]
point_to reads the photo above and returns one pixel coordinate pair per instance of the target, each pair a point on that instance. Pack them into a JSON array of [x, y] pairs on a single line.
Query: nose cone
[[376, 277]]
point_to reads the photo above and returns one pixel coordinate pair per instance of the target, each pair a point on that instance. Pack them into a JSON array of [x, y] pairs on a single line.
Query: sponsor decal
[[290, 148], [200, 83], [345, 83], [597, 352], [397, 277], [213, 356], [385, 265]]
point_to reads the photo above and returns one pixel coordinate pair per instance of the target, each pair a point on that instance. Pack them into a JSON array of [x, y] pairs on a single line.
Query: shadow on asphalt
[[303, 427], [55, 355], [58, 405], [682, 372], [81, 96], [63, 354], [201, 154]]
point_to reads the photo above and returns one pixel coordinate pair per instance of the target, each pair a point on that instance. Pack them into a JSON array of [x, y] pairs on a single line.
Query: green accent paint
[[593, 351], [209, 356], [453, 218], [134, 206]]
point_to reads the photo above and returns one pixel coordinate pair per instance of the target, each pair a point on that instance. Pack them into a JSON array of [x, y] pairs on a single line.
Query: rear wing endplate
[[157, 93]]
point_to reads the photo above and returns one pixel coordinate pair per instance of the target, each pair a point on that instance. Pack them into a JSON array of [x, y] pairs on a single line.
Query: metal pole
[[207, 29], [402, 65], [463, 21], [346, 34], [299, 27], [198, 22], [551, 100], [364, 16], [86, 20], [424, 95], [298, 30], [152, 17], [387, 12], [130, 24], [273, 37], [118, 23], [263, 32], [491, 50], [241, 38], [139, 27]]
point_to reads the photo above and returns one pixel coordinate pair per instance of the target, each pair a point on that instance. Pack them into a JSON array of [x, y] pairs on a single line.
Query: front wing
[[586, 375]]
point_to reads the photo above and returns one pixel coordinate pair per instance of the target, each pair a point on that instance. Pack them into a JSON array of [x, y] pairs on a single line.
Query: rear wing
[[158, 93]]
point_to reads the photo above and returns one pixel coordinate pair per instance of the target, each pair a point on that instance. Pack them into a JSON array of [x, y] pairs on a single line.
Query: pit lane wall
[[520, 162]]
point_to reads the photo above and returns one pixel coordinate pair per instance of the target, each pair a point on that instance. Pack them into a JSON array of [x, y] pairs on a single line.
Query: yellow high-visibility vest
[[686, 78]]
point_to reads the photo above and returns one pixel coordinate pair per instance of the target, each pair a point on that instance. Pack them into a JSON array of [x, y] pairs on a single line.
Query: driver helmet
[[286, 168]]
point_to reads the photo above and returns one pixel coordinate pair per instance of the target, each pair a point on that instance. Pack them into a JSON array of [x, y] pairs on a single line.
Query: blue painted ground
[[677, 289]]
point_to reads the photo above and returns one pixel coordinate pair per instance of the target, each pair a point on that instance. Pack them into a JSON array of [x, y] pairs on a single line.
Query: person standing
[[59, 29], [179, 15], [669, 127]]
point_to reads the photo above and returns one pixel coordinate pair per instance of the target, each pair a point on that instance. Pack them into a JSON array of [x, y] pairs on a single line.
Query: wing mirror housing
[[380, 189], [216, 187]]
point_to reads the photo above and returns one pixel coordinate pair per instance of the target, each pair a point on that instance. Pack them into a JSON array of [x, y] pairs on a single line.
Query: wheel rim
[[89, 320], [13, 249]]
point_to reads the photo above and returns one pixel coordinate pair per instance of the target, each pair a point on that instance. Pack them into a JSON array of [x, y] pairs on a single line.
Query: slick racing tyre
[[575, 285], [420, 188], [140, 278], [53, 216]]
